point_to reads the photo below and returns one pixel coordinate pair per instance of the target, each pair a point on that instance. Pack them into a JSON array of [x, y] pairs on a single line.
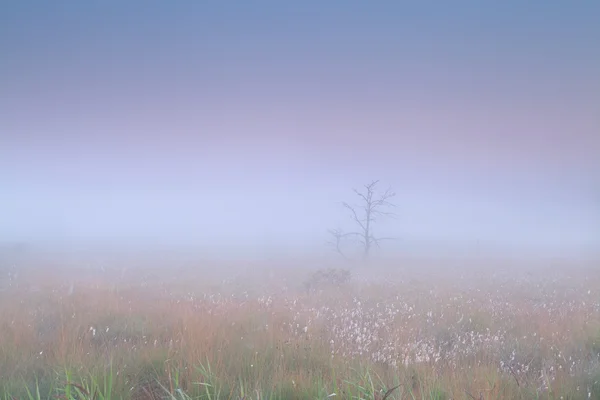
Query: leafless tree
[[372, 206], [336, 242]]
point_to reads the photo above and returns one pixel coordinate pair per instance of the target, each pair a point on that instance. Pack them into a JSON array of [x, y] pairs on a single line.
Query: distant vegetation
[[324, 279]]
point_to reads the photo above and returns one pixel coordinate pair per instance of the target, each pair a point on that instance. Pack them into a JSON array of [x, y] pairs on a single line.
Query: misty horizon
[[243, 128]]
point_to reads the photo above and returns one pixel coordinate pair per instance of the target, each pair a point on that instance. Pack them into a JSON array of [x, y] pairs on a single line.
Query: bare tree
[[338, 236], [364, 215]]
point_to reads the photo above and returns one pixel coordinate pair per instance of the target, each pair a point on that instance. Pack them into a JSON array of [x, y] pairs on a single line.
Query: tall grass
[[504, 338]]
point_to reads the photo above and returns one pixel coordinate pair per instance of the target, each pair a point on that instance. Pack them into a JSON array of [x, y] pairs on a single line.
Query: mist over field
[[301, 200]]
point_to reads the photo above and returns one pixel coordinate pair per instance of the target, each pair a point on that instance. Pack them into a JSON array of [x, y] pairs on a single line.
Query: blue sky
[[242, 124]]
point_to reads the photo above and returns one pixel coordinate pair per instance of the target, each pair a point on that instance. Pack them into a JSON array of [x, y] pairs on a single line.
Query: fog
[[244, 136], [294, 212], [299, 200]]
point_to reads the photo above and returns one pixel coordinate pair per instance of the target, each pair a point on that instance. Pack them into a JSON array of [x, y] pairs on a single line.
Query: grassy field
[[394, 332]]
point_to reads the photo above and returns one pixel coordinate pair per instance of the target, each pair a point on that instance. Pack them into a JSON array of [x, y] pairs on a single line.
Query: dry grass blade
[[514, 374], [150, 394], [390, 391], [78, 387], [473, 397]]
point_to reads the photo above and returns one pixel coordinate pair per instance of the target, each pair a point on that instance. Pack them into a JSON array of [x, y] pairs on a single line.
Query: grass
[[409, 336]]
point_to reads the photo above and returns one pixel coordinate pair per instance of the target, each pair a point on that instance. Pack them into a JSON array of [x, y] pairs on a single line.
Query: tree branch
[[338, 235], [354, 215]]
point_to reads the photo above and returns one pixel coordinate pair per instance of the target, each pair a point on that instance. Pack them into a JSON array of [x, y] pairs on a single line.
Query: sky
[[238, 124]]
